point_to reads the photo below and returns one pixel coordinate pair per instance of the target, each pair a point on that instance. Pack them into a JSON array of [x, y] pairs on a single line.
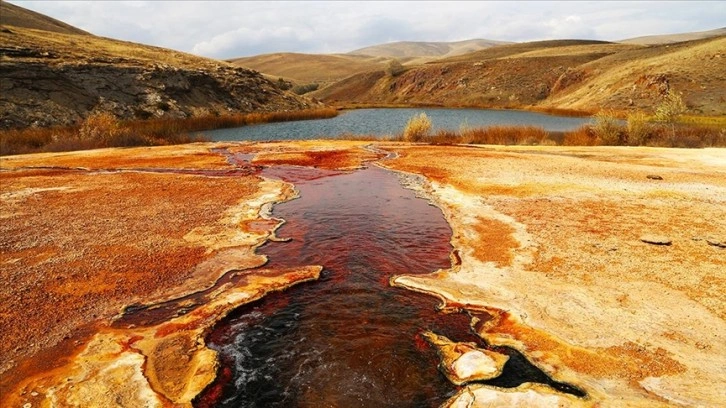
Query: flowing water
[[348, 339], [382, 122]]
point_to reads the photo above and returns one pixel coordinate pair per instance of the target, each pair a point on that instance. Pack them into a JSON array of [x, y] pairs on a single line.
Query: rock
[[654, 177], [656, 239], [464, 362], [715, 242], [530, 395]]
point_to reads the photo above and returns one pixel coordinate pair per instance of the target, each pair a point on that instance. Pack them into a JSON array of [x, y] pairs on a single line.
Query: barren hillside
[[414, 49], [674, 38], [13, 15], [571, 74], [309, 68], [54, 78]]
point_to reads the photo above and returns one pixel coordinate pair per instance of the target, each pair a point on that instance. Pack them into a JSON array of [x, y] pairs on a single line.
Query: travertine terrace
[[548, 260]]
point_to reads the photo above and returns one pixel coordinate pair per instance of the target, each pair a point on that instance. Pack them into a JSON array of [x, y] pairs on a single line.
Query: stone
[[654, 177], [656, 239], [464, 362], [715, 242]]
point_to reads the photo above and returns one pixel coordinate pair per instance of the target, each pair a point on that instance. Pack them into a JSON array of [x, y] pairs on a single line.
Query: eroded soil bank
[[549, 261]]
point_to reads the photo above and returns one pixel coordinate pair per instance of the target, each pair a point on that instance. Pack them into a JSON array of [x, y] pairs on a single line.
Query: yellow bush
[[417, 128]]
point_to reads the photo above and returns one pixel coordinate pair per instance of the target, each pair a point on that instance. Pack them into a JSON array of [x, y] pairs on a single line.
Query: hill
[[550, 75], [55, 78], [311, 68], [13, 15], [415, 49], [674, 38]]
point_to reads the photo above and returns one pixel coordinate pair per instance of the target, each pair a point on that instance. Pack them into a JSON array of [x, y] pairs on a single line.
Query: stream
[[348, 339]]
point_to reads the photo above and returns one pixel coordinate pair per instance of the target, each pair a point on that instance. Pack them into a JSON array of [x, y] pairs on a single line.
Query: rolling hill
[[311, 68], [674, 38], [60, 77], [415, 49], [550, 75], [13, 15]]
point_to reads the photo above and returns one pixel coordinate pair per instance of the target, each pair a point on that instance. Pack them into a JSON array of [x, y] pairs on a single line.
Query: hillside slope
[[415, 49], [309, 68], [569, 74], [52, 78], [674, 38], [13, 15]]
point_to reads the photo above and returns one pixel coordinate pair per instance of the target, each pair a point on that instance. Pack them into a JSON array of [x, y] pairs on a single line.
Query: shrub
[[670, 110], [394, 68], [417, 128], [608, 130], [639, 130], [582, 136], [99, 128], [303, 89]]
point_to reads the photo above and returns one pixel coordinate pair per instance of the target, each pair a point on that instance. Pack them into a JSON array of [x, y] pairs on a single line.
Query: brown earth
[[51, 78], [13, 15], [549, 260], [303, 69], [569, 74]]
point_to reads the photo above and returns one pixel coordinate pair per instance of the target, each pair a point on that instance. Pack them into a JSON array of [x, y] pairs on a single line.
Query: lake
[[382, 122]]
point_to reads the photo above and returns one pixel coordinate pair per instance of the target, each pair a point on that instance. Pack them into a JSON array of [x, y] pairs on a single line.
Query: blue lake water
[[383, 122]]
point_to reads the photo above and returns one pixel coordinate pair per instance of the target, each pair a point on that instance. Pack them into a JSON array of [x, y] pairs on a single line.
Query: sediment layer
[[548, 259]]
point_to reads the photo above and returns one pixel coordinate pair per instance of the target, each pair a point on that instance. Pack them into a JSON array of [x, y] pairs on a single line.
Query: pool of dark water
[[348, 339], [390, 121]]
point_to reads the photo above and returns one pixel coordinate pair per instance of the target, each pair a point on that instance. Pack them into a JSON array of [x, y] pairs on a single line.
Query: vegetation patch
[[104, 130]]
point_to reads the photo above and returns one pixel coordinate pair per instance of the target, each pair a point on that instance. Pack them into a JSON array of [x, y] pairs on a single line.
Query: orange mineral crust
[[77, 246], [590, 296], [603, 266]]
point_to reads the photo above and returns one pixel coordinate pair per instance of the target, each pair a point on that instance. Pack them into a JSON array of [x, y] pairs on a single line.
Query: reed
[[103, 130]]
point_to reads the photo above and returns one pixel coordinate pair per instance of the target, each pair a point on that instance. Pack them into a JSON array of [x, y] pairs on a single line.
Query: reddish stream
[[348, 339]]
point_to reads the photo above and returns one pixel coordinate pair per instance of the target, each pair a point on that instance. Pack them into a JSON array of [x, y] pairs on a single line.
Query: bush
[[608, 130], [303, 89], [99, 128], [417, 128], [582, 136], [639, 130], [394, 68]]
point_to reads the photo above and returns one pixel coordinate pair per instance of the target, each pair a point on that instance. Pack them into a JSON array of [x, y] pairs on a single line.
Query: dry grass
[[417, 129], [103, 130], [686, 136]]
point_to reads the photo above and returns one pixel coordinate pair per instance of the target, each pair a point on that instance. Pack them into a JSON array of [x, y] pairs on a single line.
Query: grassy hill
[[13, 15], [311, 68], [414, 49], [674, 38], [58, 78], [550, 75]]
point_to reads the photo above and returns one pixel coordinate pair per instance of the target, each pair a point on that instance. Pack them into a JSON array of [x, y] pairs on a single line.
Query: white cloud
[[226, 29]]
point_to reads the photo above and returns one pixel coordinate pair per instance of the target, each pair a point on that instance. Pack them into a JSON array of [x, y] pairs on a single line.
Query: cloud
[[227, 29]]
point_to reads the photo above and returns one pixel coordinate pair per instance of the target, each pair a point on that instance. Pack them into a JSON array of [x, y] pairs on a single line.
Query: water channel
[[349, 339], [383, 122]]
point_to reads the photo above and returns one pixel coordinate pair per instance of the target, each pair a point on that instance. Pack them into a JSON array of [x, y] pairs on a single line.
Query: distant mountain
[[61, 76], [414, 49], [674, 38], [13, 15], [311, 68]]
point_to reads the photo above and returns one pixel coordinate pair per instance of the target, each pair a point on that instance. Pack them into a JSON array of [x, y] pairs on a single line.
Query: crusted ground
[[550, 261]]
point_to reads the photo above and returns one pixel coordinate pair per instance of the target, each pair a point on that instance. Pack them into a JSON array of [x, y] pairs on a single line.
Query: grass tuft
[[104, 130]]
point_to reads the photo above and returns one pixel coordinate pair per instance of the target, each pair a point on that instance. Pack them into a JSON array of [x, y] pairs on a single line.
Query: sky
[[228, 29]]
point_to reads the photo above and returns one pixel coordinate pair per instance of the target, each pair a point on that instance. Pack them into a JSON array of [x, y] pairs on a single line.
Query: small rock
[[715, 242], [656, 239], [654, 177], [464, 362]]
